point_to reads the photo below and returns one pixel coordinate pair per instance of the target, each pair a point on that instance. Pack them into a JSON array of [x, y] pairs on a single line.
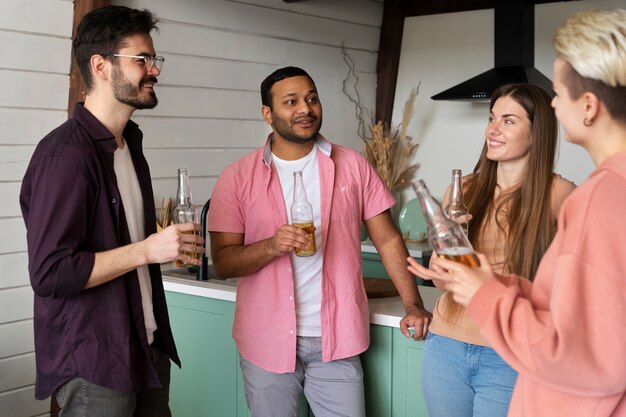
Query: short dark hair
[[276, 76], [102, 31], [614, 98]]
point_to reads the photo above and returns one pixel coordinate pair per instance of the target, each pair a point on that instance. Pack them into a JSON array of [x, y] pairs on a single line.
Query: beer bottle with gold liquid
[[445, 236], [185, 211], [456, 205], [302, 214]]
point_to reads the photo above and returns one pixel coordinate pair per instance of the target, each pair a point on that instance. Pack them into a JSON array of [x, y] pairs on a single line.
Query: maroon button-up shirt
[[72, 209]]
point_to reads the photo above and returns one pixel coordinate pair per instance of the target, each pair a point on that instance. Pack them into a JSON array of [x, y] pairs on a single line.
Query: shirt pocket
[[347, 204]]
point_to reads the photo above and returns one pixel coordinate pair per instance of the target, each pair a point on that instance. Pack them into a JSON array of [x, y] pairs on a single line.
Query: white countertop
[[383, 311], [416, 250]]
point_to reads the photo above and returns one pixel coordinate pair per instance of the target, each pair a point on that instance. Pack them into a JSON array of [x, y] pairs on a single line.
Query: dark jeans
[[79, 398]]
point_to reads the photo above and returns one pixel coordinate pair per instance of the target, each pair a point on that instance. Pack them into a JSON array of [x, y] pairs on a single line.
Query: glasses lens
[[158, 62]]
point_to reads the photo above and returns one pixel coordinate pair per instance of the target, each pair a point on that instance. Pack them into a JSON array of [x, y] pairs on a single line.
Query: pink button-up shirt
[[248, 199]]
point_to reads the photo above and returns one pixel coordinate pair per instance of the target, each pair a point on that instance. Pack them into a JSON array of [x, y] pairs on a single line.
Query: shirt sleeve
[[376, 196], [57, 226], [225, 209], [576, 342]]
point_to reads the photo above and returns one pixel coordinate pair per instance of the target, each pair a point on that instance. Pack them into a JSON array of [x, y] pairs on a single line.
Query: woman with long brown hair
[[513, 196], [565, 332]]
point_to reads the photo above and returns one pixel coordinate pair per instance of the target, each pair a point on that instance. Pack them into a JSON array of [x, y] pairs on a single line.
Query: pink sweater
[[566, 333]]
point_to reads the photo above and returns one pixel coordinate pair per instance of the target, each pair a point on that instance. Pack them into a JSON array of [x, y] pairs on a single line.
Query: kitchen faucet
[[204, 265]]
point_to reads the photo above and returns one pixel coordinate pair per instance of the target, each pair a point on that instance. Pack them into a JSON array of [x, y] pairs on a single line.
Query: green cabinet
[[392, 367], [210, 383]]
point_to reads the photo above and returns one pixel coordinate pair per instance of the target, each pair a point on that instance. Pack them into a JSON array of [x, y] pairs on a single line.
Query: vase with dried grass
[[389, 149]]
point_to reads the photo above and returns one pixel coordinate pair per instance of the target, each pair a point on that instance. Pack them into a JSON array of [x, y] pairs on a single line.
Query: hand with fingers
[[176, 242], [461, 280], [288, 238]]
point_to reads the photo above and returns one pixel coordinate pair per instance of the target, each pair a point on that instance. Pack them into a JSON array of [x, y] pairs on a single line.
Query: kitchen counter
[[416, 249], [383, 311]]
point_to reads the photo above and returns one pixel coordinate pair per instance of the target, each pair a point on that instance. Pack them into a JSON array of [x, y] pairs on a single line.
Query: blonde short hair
[[594, 44]]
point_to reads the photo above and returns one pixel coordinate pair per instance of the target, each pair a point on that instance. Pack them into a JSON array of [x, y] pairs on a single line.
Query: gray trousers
[[332, 389], [79, 398]]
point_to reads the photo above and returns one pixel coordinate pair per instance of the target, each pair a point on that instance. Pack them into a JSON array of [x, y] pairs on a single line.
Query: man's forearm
[[114, 263], [393, 254], [241, 260]]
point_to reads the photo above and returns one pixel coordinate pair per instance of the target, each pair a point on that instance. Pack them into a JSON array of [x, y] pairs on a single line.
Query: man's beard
[[285, 131], [125, 92]]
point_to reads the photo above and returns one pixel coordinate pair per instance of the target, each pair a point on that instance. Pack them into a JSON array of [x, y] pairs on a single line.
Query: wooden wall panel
[[21, 126], [41, 17], [173, 132], [264, 21], [17, 338], [45, 54], [365, 12], [33, 90], [16, 304], [13, 271], [20, 402]]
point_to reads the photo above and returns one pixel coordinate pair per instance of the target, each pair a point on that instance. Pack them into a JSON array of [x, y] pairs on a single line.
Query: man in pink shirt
[[301, 322]]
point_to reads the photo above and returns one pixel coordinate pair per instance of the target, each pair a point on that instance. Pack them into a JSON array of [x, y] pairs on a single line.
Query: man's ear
[[267, 114], [99, 67]]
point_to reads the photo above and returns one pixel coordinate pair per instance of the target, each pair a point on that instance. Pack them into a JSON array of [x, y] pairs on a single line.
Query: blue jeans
[[464, 380]]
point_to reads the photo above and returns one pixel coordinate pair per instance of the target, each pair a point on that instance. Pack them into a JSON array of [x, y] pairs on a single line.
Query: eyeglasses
[[149, 61]]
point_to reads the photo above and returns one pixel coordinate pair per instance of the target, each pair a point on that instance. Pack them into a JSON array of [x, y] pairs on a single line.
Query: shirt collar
[[323, 145], [99, 132]]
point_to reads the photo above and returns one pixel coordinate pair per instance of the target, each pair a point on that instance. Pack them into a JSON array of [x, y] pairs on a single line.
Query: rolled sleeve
[[57, 222]]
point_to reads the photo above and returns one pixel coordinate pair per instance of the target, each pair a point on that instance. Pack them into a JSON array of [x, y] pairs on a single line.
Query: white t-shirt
[[132, 201], [307, 270]]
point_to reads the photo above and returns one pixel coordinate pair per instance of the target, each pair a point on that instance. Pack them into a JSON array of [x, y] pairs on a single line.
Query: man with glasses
[[103, 342]]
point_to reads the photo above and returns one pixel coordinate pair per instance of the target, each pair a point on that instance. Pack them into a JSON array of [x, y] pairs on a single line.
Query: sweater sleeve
[[568, 332]]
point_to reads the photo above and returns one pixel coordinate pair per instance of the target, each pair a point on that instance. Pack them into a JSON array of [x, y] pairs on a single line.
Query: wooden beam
[[388, 58], [77, 86]]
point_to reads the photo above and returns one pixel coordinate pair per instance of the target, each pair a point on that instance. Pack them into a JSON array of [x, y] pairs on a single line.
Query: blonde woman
[[565, 332]]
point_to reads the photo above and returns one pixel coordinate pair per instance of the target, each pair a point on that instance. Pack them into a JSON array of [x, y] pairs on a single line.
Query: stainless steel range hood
[[514, 52]]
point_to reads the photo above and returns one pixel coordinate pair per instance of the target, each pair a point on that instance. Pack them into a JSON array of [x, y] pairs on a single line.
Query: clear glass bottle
[[456, 205], [185, 211], [445, 236], [302, 214]]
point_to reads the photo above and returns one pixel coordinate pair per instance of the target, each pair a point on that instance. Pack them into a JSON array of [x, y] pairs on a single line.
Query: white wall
[[217, 52], [34, 65], [444, 50]]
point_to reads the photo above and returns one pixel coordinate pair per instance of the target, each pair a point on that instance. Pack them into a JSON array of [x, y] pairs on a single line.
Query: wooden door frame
[[76, 91]]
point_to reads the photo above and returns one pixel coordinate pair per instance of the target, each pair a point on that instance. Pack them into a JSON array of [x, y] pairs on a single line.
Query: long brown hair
[[528, 227]]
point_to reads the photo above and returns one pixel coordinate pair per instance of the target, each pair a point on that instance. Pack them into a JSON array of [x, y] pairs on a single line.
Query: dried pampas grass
[[389, 150]]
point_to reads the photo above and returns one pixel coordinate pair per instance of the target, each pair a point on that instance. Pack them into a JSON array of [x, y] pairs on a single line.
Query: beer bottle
[[456, 206], [445, 236], [185, 211], [302, 214]]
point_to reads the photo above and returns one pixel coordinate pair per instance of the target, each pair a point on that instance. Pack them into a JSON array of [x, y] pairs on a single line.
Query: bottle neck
[[456, 190], [184, 191], [433, 213], [299, 193]]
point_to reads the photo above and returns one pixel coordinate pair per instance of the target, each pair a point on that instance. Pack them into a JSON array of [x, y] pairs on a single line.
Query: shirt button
[[290, 331], [290, 298], [289, 269], [113, 200]]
